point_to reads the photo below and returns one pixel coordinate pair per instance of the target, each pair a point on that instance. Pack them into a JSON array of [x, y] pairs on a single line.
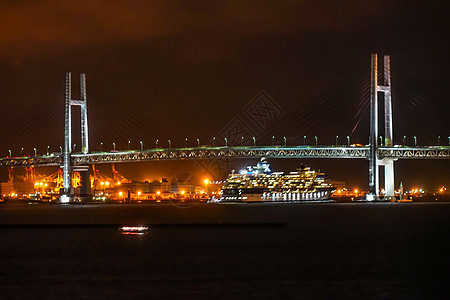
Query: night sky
[[176, 69]]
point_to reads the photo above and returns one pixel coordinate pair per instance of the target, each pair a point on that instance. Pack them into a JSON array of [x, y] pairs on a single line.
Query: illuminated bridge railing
[[223, 152], [42, 161], [430, 152]]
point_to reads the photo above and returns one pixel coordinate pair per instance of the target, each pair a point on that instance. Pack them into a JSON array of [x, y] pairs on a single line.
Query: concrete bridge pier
[[389, 188], [85, 188]]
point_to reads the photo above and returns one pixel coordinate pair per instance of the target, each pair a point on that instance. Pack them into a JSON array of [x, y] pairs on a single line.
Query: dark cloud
[[49, 27]]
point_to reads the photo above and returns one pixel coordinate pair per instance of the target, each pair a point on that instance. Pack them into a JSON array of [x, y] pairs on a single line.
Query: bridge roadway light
[[337, 140], [381, 140], [156, 143], [439, 140], [284, 138], [10, 154], [348, 141], [404, 138], [315, 137], [242, 141], [129, 142], [254, 142], [226, 142], [170, 144], [214, 139], [60, 148], [185, 143], [101, 146], [273, 137], [304, 140], [198, 142], [142, 145], [415, 141], [34, 151], [21, 151], [114, 146], [449, 140], [74, 146], [48, 150]]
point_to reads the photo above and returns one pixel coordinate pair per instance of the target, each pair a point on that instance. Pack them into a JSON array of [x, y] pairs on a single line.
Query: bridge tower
[[374, 162], [67, 167]]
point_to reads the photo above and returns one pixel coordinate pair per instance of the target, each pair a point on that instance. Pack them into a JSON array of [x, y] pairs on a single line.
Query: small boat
[[134, 230]]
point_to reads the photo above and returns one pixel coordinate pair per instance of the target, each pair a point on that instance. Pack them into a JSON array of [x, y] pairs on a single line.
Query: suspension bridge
[[379, 152]]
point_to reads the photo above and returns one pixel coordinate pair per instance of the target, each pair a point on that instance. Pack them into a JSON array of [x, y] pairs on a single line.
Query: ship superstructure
[[260, 183]]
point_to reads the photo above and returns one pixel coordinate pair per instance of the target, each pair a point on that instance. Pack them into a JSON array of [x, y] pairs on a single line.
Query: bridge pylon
[[374, 161], [67, 166]]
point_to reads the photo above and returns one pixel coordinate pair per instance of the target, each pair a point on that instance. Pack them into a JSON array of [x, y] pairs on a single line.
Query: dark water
[[336, 251]]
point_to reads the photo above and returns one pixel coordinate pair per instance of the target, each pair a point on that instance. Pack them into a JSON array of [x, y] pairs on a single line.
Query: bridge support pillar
[[84, 119], [373, 139], [388, 130], [69, 102], [67, 171], [389, 185]]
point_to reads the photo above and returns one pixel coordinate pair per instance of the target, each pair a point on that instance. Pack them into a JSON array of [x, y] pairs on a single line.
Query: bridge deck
[[55, 159]]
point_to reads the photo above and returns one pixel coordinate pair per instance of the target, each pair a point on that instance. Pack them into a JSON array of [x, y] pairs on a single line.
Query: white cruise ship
[[260, 184]]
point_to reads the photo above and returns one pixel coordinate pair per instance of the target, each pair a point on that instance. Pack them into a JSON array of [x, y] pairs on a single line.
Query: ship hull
[[241, 195]]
